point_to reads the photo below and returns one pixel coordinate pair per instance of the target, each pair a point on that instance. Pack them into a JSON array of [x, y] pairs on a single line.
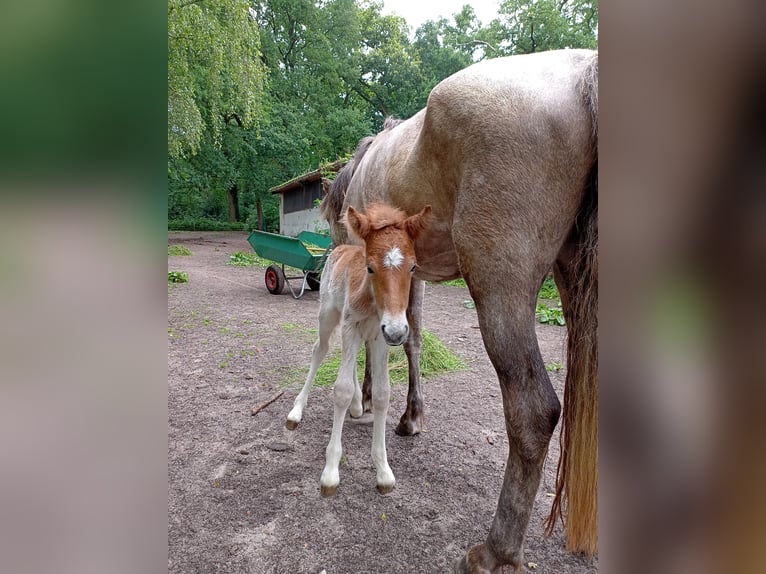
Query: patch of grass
[[298, 329], [435, 359], [179, 250], [177, 277], [242, 259], [549, 315], [456, 283], [555, 366]]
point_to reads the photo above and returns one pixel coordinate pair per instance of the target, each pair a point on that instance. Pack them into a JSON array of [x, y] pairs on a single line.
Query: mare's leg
[[381, 392], [531, 410], [504, 277], [329, 317], [343, 393], [367, 383], [411, 422]]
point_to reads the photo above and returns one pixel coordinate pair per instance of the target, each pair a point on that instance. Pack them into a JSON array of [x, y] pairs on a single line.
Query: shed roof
[[307, 177]]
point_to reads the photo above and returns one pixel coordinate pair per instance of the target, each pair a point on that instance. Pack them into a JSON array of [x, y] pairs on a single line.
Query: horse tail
[[577, 473]]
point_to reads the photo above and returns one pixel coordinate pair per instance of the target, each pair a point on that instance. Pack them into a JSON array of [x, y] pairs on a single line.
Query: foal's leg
[[343, 393], [411, 422], [356, 409], [367, 383], [329, 318], [531, 412], [381, 392]]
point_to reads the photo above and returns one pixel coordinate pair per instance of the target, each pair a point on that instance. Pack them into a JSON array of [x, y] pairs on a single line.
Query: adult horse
[[506, 153]]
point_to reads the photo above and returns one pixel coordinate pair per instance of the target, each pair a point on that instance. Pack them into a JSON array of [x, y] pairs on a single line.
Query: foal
[[367, 286]]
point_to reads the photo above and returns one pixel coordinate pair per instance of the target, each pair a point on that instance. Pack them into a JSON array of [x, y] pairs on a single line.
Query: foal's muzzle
[[395, 334]]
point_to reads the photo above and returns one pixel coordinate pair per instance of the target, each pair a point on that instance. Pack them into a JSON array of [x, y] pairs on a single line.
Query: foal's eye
[[413, 268], [369, 269]]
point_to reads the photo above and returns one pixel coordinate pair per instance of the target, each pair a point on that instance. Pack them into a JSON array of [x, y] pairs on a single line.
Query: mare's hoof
[[328, 491], [477, 561], [291, 425], [408, 427], [385, 488]]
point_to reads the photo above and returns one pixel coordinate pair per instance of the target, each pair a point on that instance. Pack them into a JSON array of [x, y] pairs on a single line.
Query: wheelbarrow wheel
[[275, 279], [312, 280]]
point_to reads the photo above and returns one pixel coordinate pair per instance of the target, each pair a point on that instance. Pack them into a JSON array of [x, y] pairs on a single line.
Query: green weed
[[179, 250], [177, 277], [549, 315], [549, 290], [241, 259]]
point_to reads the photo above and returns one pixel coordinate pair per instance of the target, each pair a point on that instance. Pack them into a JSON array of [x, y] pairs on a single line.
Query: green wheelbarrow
[[308, 253]]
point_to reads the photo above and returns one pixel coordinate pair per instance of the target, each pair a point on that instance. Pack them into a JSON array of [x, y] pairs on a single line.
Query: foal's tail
[[577, 480]]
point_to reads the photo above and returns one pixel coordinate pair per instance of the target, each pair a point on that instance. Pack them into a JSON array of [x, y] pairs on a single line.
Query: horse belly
[[437, 258]]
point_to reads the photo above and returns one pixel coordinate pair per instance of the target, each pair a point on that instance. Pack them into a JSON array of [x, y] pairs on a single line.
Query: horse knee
[[343, 392], [530, 426], [321, 346]]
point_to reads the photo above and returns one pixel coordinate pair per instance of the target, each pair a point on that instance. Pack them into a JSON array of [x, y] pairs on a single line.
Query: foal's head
[[389, 238]]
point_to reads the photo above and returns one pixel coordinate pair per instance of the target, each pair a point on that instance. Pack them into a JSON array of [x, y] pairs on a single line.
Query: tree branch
[[479, 42], [233, 116], [258, 408]]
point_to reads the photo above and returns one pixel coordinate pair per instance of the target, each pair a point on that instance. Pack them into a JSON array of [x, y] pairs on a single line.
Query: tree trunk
[[233, 203], [259, 206]]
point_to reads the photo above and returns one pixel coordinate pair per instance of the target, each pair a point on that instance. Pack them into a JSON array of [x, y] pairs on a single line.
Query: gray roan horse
[[506, 153]]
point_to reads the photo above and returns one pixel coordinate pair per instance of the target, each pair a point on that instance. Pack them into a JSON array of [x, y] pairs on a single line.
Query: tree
[[215, 74], [526, 26]]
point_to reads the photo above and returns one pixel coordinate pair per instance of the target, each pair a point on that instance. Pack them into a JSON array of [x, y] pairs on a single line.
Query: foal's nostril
[[383, 328]]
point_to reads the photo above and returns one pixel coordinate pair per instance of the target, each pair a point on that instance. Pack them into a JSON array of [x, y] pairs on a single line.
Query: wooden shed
[[298, 209]]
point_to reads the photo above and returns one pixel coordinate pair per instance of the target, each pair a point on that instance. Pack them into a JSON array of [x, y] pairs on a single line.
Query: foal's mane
[[332, 204]]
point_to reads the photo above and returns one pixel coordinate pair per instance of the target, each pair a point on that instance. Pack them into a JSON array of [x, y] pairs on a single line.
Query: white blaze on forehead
[[393, 258]]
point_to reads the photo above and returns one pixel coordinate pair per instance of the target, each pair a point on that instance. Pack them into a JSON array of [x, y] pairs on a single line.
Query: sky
[[418, 11]]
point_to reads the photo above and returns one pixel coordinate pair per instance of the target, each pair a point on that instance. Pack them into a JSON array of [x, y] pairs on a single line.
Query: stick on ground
[[258, 408]]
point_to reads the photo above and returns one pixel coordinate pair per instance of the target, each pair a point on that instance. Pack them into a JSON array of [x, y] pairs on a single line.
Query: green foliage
[[526, 26], [549, 290], [177, 250], [549, 315], [554, 367], [204, 225], [215, 74], [241, 259], [177, 277], [435, 359], [456, 283]]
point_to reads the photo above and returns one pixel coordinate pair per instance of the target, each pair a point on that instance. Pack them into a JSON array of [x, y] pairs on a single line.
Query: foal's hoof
[[328, 491], [291, 425], [385, 488]]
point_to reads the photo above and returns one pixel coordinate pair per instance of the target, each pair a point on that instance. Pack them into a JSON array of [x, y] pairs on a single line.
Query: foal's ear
[[357, 223], [418, 223]]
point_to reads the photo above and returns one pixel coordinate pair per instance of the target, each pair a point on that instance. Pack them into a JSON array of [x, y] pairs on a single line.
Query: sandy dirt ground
[[237, 505]]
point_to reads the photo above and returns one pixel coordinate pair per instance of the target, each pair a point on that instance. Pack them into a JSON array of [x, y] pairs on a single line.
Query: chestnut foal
[[368, 287]]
